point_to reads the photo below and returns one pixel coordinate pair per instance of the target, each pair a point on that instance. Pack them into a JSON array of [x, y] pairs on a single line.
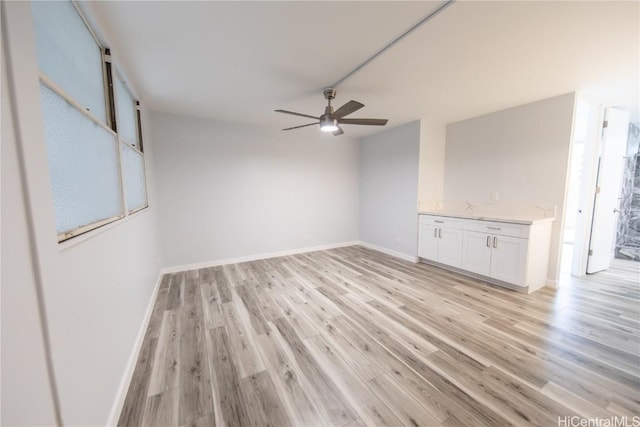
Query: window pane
[[83, 165], [134, 179], [68, 54], [126, 114]]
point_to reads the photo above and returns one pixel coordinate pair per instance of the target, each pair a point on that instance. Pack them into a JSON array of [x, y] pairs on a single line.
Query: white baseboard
[[551, 283], [255, 257], [133, 359], [410, 258]]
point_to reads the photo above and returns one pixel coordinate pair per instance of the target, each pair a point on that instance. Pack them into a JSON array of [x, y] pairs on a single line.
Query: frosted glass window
[[125, 105], [83, 165], [68, 54], [134, 179]]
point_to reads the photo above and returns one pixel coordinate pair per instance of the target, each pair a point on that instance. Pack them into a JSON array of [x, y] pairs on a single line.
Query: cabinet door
[[509, 259], [476, 252], [428, 242], [450, 247]]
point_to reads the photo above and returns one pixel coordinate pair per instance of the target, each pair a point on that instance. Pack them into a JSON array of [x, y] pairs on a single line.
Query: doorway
[[578, 199], [608, 189], [599, 220]]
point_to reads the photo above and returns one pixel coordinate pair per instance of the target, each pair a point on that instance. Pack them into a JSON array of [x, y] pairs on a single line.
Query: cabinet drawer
[[498, 228], [441, 221]]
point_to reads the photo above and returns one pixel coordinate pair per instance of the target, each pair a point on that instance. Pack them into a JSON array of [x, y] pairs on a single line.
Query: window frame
[[109, 73], [115, 74]]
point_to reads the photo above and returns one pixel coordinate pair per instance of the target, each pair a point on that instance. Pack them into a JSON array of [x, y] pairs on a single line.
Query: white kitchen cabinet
[[476, 252], [440, 240], [509, 259], [428, 242], [508, 254], [450, 246], [499, 257]]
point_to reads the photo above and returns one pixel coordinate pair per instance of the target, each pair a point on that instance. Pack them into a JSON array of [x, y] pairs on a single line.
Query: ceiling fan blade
[[347, 109], [297, 114], [370, 122], [302, 126], [338, 132]]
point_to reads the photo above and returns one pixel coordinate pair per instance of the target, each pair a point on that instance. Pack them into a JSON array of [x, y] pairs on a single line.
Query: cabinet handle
[[438, 221], [495, 242], [435, 233], [488, 241], [440, 233], [493, 228]]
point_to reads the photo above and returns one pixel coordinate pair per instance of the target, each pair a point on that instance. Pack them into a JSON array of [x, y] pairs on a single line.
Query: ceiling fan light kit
[[330, 121], [328, 124]]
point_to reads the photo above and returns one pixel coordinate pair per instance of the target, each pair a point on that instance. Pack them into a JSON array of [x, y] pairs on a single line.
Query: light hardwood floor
[[353, 337]]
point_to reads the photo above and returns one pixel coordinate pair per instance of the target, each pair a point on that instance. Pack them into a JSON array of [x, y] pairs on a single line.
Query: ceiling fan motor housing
[[329, 93]]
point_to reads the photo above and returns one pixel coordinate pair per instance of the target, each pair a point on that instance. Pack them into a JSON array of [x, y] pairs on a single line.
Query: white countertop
[[498, 217]]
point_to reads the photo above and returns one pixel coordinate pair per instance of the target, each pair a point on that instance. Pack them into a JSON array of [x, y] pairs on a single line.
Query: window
[[91, 124], [128, 118]]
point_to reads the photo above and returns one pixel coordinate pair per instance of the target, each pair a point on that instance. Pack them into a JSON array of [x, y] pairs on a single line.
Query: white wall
[[96, 292], [230, 190], [389, 189], [522, 153], [25, 389], [431, 170]]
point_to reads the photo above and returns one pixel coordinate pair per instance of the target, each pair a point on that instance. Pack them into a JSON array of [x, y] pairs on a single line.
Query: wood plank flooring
[[350, 337]]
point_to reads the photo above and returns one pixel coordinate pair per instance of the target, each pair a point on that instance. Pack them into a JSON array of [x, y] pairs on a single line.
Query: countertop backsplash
[[493, 209]]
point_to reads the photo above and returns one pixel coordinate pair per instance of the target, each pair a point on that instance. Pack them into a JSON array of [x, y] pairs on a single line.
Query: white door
[[450, 247], [476, 252], [428, 242], [509, 259], [609, 183]]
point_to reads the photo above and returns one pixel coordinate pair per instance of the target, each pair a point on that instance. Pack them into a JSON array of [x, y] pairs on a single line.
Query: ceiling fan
[[331, 120]]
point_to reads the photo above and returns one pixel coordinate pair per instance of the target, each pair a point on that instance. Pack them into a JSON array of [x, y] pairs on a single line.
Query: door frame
[[586, 198], [607, 137]]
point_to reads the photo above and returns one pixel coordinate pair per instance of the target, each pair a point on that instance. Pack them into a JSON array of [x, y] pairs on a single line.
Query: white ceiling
[[238, 61]]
